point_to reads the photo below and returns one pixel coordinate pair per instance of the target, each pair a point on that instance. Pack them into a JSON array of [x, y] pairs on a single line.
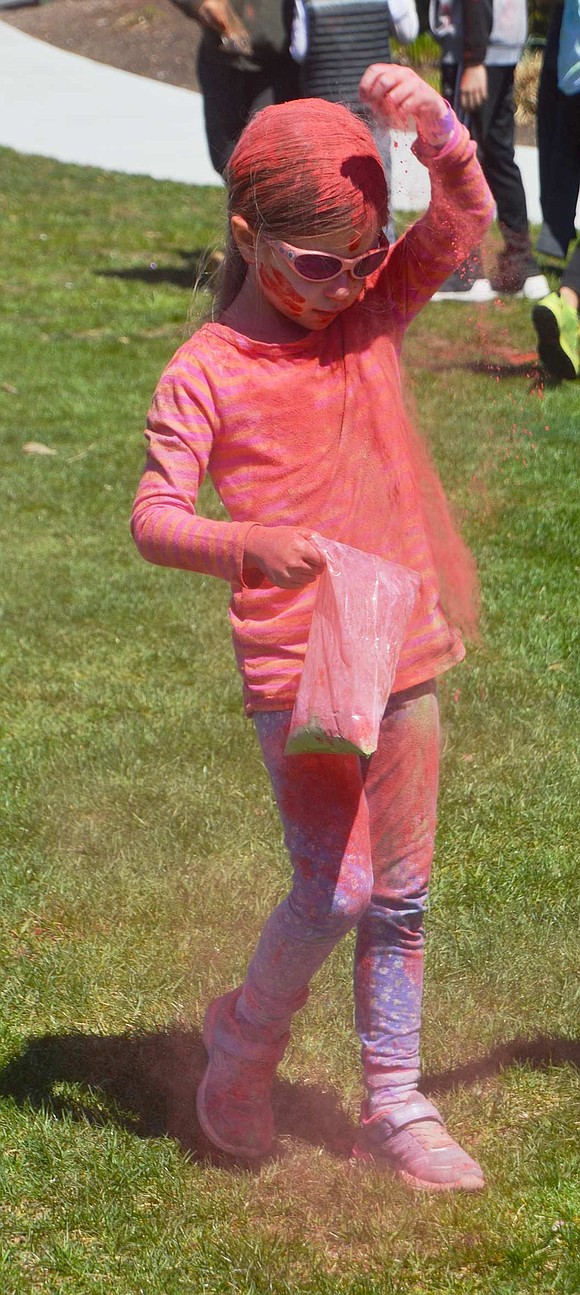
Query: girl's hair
[[299, 169]]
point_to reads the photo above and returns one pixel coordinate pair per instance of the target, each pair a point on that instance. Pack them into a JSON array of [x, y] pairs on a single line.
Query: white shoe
[[535, 287], [480, 290]]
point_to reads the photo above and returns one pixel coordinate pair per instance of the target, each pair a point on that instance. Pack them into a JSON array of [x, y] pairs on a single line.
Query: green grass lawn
[[141, 849]]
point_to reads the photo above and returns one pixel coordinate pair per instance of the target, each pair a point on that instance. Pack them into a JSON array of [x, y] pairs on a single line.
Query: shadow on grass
[[524, 367], [538, 1054], [516, 368], [146, 1084], [197, 270]]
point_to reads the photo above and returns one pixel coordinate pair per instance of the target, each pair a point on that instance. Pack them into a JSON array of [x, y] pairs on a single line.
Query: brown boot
[[516, 273]]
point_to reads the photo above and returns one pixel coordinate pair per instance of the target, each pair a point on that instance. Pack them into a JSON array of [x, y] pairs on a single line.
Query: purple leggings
[[360, 834]]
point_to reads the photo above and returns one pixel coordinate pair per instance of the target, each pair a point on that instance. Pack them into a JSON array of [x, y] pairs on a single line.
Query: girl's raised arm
[[461, 206]]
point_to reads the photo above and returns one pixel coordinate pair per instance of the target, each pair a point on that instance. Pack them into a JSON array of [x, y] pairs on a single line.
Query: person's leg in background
[[516, 272], [558, 136], [285, 77], [400, 1129], [232, 95], [225, 92], [555, 317], [570, 282]]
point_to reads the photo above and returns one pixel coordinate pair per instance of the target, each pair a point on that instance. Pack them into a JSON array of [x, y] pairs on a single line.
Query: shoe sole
[[555, 360], [242, 1153], [472, 296], [470, 1182]]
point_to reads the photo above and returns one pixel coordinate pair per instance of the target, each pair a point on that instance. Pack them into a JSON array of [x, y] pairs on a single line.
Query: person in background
[[334, 41], [244, 63], [481, 43], [555, 317]]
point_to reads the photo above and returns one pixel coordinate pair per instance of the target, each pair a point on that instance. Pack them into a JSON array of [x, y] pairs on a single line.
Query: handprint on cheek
[[282, 292]]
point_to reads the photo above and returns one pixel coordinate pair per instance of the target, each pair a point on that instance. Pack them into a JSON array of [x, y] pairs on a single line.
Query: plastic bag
[[358, 625]]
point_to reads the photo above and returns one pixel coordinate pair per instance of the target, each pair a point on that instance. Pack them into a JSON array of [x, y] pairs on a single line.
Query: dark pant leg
[[571, 275], [231, 96], [285, 80], [558, 134], [559, 196], [547, 116], [493, 127], [228, 96]]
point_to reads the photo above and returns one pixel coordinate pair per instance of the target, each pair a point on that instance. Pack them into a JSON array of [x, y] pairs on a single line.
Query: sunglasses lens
[[368, 264], [315, 266]]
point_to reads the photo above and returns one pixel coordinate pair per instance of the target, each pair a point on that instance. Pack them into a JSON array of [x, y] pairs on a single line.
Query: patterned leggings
[[360, 834]]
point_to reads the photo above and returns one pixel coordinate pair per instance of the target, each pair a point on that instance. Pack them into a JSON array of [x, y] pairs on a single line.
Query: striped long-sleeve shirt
[[310, 433]]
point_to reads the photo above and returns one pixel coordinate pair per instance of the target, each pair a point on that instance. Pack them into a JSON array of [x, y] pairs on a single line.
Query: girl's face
[[310, 304]]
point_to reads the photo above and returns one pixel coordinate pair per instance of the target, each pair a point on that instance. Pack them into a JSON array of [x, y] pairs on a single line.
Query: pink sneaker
[[411, 1140], [233, 1098]]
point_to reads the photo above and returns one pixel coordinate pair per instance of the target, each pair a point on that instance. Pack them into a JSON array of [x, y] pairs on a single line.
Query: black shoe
[[556, 324]]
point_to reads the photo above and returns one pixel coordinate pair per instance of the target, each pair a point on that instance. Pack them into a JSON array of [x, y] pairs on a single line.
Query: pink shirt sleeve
[[164, 524]]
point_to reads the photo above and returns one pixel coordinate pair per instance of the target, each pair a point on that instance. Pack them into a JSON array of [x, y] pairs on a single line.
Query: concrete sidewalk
[[60, 105]]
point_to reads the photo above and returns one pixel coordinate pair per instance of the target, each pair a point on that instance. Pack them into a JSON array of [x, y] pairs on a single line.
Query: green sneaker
[[556, 324]]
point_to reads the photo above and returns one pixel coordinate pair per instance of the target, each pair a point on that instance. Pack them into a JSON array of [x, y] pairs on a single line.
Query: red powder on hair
[[308, 165]]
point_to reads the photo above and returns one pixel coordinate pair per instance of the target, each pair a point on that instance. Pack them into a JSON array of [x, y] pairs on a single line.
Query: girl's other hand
[[284, 554], [399, 97]]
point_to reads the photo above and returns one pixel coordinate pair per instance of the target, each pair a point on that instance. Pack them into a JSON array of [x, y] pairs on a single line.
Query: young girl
[[292, 401]]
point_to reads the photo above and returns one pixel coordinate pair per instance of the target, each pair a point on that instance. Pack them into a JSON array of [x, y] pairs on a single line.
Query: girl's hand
[[284, 554], [399, 97]]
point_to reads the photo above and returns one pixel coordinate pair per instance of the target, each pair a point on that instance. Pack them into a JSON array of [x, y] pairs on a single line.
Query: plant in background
[[423, 54], [526, 83]]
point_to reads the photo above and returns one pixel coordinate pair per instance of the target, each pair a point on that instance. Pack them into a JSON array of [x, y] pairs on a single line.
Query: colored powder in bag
[[358, 626]]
